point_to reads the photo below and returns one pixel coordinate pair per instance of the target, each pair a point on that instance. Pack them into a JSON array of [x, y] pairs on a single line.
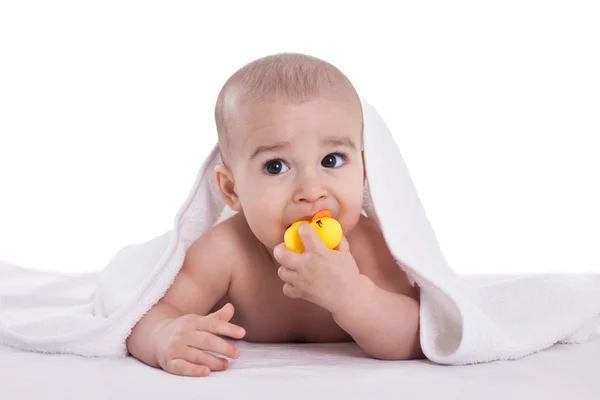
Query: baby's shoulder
[[219, 242], [216, 249]]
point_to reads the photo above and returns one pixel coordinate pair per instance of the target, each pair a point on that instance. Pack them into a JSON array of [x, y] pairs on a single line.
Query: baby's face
[[292, 160]]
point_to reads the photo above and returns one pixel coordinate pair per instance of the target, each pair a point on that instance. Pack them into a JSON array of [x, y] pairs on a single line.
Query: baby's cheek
[[349, 224], [266, 225], [351, 215]]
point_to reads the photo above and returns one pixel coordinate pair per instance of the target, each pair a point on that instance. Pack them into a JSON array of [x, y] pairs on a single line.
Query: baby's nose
[[309, 191]]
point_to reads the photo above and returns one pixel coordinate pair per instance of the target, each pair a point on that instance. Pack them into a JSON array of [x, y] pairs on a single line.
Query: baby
[[290, 135]]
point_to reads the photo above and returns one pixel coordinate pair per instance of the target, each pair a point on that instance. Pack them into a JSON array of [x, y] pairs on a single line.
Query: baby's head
[[290, 134]]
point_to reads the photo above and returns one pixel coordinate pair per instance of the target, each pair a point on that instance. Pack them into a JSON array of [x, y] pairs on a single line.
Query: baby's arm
[[384, 324], [383, 315], [202, 281]]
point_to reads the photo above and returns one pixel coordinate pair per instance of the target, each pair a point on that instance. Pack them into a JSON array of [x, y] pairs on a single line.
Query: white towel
[[462, 320]]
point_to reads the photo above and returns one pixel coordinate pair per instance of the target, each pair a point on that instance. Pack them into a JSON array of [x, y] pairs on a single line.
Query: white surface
[[494, 105], [326, 371]]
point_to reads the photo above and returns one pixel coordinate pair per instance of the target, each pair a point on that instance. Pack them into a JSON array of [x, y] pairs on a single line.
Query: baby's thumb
[[225, 313]]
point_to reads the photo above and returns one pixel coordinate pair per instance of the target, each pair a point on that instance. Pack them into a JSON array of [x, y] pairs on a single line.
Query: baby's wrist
[[356, 291]]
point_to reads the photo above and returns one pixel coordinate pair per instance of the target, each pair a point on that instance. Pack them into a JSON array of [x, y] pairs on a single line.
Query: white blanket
[[462, 321], [306, 371]]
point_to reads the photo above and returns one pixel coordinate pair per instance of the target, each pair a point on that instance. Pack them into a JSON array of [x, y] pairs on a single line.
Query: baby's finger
[[225, 313], [287, 275], [200, 357], [290, 259], [209, 342], [310, 238], [182, 367], [223, 328], [291, 291]]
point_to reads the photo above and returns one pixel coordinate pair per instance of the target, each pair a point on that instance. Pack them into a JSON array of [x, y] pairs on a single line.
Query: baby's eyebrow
[[329, 140], [339, 141], [270, 147]]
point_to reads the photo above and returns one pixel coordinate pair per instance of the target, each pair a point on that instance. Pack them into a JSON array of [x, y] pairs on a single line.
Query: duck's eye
[[275, 167], [333, 160]]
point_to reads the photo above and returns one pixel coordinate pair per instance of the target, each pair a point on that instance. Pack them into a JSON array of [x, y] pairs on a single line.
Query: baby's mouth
[[307, 218]]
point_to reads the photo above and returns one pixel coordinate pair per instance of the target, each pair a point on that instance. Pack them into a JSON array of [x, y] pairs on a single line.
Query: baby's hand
[[320, 275], [182, 344]]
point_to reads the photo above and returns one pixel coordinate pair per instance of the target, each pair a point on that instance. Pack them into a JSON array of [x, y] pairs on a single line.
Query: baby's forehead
[[314, 119], [321, 110]]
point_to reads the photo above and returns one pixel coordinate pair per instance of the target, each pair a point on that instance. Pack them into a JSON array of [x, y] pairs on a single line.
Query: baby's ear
[[226, 185]]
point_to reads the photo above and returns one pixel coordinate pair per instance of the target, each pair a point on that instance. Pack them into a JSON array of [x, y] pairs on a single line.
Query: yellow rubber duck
[[328, 229]]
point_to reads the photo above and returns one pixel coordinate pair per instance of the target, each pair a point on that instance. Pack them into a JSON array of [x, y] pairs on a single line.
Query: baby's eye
[[333, 160], [275, 167]]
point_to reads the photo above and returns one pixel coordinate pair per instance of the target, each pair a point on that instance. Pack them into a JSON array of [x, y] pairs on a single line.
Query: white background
[[106, 113]]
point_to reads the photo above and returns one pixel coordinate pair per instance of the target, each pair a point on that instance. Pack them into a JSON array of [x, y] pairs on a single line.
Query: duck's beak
[[322, 214]]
